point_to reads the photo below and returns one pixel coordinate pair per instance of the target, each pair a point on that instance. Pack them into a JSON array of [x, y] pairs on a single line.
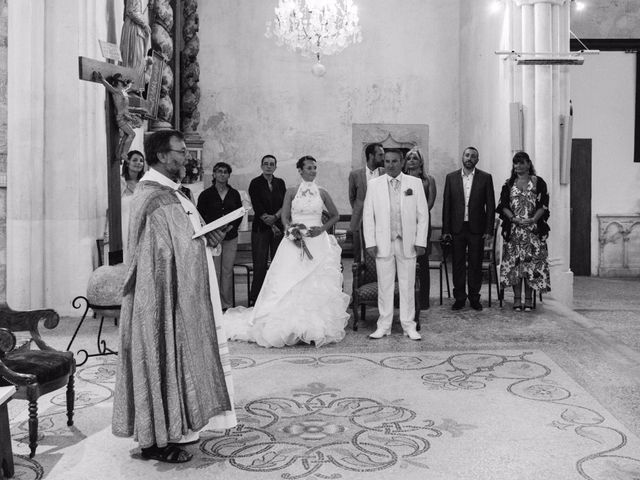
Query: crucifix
[[123, 112]]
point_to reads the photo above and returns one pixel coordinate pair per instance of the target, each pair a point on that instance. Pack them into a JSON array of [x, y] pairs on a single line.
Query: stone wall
[[258, 97], [607, 19], [3, 150], [603, 92]]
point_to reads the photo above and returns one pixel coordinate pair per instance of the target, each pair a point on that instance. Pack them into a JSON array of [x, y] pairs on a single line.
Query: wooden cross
[[92, 70]]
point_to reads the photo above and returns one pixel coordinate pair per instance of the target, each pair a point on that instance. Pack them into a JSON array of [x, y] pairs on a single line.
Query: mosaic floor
[[441, 415]]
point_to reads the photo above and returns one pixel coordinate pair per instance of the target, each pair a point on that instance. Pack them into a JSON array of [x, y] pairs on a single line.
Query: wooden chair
[[491, 260], [34, 372], [243, 266], [7, 468], [438, 261], [365, 288], [100, 248]]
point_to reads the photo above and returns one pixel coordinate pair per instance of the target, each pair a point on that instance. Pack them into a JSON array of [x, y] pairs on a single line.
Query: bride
[[301, 298]]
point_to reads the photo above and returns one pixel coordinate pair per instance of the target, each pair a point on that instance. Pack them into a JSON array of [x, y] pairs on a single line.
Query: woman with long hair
[[414, 165], [132, 172], [524, 210]]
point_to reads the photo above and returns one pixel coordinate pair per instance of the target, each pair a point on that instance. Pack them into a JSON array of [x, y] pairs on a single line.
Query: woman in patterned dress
[[524, 210]]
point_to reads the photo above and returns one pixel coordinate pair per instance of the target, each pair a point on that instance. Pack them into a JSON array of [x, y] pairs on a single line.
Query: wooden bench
[[6, 453]]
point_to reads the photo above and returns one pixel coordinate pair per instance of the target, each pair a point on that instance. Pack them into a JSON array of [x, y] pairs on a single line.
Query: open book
[[220, 222]]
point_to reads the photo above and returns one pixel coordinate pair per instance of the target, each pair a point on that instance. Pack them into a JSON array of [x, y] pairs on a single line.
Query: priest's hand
[[216, 236]]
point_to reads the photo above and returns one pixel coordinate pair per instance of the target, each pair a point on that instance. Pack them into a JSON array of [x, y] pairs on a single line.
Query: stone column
[[25, 193], [560, 221], [190, 79], [528, 81], [545, 98], [3, 150], [161, 19], [56, 152], [543, 86]]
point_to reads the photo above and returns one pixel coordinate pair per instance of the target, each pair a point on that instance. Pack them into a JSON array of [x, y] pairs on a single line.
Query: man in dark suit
[[358, 178], [468, 212], [267, 194]]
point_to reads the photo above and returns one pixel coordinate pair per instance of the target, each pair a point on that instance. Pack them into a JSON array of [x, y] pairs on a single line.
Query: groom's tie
[[394, 199]]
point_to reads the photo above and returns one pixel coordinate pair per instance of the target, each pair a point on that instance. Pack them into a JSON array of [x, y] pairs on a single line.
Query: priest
[[174, 375]]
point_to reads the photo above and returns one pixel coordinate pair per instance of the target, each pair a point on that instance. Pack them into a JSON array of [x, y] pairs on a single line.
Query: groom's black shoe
[[476, 305], [458, 305]]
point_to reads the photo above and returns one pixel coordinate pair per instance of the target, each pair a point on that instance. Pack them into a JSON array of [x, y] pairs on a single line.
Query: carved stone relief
[[403, 136], [619, 238]]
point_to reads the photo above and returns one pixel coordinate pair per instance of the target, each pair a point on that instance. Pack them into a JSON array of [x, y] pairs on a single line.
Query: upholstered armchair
[[34, 372], [365, 288]]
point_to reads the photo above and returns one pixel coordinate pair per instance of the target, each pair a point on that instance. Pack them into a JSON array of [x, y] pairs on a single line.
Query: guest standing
[[468, 212], [524, 210], [213, 203], [358, 179], [173, 375], [414, 166], [395, 219], [267, 194], [132, 172]]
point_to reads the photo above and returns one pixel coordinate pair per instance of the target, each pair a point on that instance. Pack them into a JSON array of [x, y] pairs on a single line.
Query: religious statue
[[126, 120], [135, 35]]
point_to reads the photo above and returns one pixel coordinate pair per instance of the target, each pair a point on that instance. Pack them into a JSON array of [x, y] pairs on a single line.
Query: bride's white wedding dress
[[301, 299]]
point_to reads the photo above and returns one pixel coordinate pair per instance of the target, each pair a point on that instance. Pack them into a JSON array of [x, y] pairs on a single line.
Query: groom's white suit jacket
[[414, 212]]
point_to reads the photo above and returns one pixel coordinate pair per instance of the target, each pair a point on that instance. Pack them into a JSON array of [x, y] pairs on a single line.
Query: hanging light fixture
[[315, 27]]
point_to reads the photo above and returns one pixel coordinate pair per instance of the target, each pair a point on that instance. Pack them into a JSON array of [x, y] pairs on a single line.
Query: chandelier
[[315, 27]]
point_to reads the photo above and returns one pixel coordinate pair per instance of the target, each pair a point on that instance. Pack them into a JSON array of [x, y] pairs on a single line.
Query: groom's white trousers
[[386, 269]]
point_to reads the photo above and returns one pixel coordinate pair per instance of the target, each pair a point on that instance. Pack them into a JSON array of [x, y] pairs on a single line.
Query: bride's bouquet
[[296, 233]]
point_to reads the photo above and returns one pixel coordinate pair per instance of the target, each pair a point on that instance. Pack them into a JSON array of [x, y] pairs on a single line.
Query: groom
[[395, 223]]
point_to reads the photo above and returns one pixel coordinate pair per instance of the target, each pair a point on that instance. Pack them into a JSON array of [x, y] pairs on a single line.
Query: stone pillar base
[[562, 286]]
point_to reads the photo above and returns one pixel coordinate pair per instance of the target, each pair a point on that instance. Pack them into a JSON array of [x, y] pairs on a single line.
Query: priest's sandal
[[168, 454]]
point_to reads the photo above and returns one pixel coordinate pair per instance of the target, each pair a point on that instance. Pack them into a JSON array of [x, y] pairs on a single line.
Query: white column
[[543, 157], [545, 89], [528, 81], [25, 158], [73, 161], [560, 221], [56, 166], [515, 38]]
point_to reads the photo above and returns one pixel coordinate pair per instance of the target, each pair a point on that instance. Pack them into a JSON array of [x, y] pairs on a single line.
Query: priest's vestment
[[173, 366]]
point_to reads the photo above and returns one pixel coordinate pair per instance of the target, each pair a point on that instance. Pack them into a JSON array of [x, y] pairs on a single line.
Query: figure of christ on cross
[[120, 123], [125, 119]]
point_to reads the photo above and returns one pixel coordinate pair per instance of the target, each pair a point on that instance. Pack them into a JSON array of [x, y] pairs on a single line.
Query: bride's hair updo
[[300, 162]]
